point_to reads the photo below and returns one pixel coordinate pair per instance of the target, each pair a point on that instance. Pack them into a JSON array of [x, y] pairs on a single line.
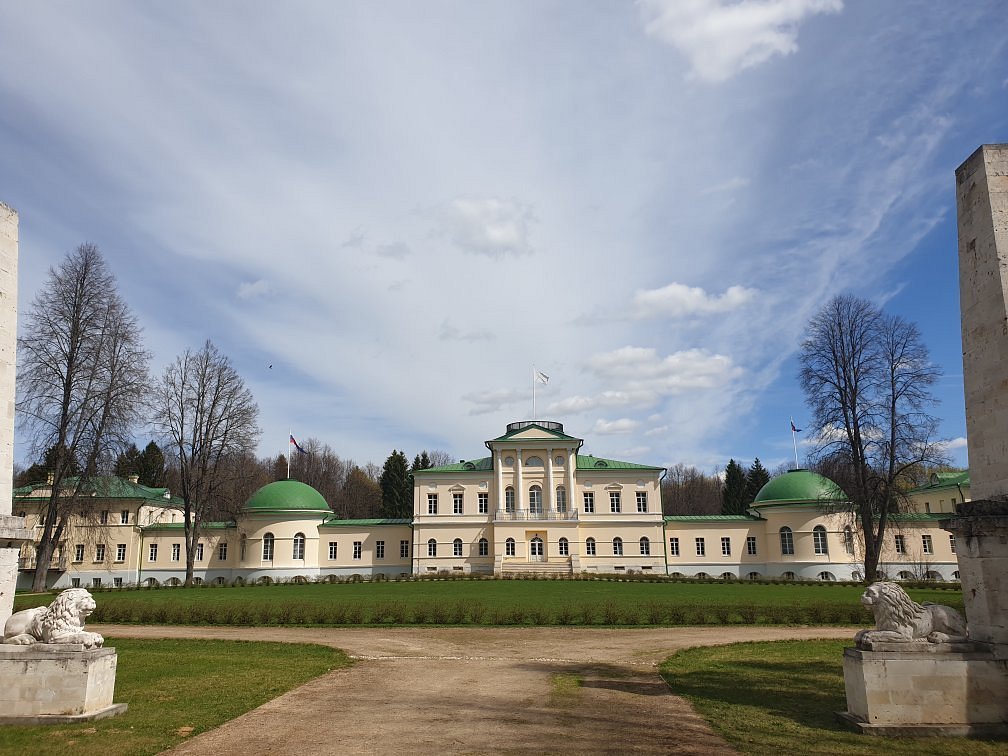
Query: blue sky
[[403, 206]]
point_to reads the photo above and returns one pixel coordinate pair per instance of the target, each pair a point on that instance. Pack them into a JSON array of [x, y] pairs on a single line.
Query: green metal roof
[[799, 487], [287, 496], [102, 487], [921, 516], [181, 526], [940, 480], [484, 464], [601, 463], [710, 518], [333, 522]]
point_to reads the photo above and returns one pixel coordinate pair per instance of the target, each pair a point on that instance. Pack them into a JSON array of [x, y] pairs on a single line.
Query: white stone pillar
[[549, 499], [571, 464], [519, 495]]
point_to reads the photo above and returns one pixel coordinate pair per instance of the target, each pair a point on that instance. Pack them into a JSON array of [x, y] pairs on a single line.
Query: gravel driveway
[[476, 691]]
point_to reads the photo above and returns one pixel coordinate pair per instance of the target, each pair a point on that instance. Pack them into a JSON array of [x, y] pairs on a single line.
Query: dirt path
[[476, 691]]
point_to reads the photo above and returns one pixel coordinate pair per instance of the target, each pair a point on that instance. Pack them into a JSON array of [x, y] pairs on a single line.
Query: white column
[[498, 482], [519, 493], [571, 464], [549, 498]]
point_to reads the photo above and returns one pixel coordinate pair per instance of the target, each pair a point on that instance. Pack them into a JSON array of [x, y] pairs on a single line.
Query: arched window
[[955, 575], [484, 547], [535, 500], [299, 546], [753, 576], [645, 546], [457, 547], [509, 547], [786, 541], [509, 499], [788, 575], [590, 547], [268, 547], [617, 546], [727, 576], [904, 575], [819, 540], [933, 575], [848, 539], [561, 499], [534, 462], [432, 548], [827, 577], [563, 546], [701, 576]]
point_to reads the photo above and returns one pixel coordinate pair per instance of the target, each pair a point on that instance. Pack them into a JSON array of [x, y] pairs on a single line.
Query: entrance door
[[536, 551]]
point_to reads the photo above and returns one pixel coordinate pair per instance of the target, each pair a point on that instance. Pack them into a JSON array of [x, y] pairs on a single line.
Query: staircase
[[552, 567]]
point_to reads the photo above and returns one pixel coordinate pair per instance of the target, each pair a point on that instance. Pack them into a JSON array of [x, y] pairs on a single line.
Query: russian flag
[[793, 429], [296, 445]]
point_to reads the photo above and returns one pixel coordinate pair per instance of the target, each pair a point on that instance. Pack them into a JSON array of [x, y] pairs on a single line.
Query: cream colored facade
[[533, 505]]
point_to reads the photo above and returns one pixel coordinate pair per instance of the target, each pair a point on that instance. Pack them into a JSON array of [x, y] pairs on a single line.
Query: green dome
[[799, 487], [287, 496]]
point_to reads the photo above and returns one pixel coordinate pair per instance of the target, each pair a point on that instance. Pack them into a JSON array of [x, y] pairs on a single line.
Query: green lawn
[[774, 698], [494, 602], [176, 689]]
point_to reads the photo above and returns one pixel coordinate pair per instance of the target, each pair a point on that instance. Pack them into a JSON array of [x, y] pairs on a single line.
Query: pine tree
[[734, 489], [756, 478], [128, 463], [396, 486], [151, 466]]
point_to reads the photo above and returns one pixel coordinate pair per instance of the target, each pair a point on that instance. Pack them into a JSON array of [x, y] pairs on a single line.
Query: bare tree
[[82, 381], [439, 457], [687, 491], [208, 418], [867, 378]]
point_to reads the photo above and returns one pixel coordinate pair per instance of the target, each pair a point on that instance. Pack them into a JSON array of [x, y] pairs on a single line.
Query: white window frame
[[786, 541], [379, 550], [563, 547], [509, 499], [176, 552], [333, 549], [120, 552], [701, 546], [899, 543], [751, 545], [617, 546], [590, 549], [404, 549], [927, 543], [432, 504], [124, 517], [152, 552], [641, 501], [673, 544], [99, 552], [820, 542], [484, 547], [298, 547], [222, 551], [431, 547], [535, 500], [79, 552], [268, 544], [588, 498], [458, 503], [199, 552], [561, 499], [358, 550], [483, 501], [615, 502], [645, 546], [457, 547], [510, 546], [725, 546]]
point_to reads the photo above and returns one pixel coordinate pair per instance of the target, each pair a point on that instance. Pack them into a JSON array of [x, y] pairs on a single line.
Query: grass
[[773, 698], [176, 689], [495, 603], [565, 689]]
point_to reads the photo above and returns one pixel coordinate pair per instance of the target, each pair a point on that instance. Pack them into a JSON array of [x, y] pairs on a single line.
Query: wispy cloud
[[254, 289], [610, 427], [494, 400], [721, 38]]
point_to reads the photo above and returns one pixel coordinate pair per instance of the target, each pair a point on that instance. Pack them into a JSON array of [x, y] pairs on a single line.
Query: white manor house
[[535, 504]]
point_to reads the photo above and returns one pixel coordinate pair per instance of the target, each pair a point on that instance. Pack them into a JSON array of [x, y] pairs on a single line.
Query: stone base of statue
[[47, 683], [920, 688]]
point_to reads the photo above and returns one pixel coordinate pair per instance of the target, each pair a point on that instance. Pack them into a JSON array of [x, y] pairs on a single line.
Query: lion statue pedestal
[[51, 669], [917, 672]]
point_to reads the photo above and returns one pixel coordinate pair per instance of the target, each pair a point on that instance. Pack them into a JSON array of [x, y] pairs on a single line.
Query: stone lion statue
[[901, 619], [60, 622]]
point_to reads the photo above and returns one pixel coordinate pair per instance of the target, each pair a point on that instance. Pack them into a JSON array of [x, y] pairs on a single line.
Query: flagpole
[[290, 435], [794, 440], [533, 392]]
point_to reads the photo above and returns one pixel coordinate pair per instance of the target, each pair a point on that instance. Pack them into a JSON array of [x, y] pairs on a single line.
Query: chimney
[[134, 479]]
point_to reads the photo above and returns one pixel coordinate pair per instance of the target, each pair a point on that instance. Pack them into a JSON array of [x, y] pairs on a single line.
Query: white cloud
[[720, 39], [491, 227], [494, 400], [254, 289], [678, 372], [610, 427], [954, 443], [677, 300]]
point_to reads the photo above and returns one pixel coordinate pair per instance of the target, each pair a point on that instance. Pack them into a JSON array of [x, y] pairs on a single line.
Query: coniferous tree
[[734, 489], [151, 466], [756, 478], [396, 486], [127, 463]]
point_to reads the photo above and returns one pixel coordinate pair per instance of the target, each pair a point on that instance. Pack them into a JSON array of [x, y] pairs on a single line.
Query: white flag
[[543, 378]]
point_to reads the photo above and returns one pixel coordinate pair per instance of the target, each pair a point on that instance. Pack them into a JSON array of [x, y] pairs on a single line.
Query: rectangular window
[[79, 552], [701, 548], [99, 552], [484, 547], [457, 503], [120, 552], [199, 552], [589, 547], [484, 502], [332, 549], [404, 549], [75, 582], [152, 554], [222, 551], [561, 499], [379, 549], [614, 501], [103, 517], [645, 547], [642, 501], [96, 582], [431, 503], [124, 517], [900, 544], [117, 582], [951, 543], [750, 545], [176, 551], [357, 548], [589, 501], [673, 546], [928, 545], [726, 547]]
